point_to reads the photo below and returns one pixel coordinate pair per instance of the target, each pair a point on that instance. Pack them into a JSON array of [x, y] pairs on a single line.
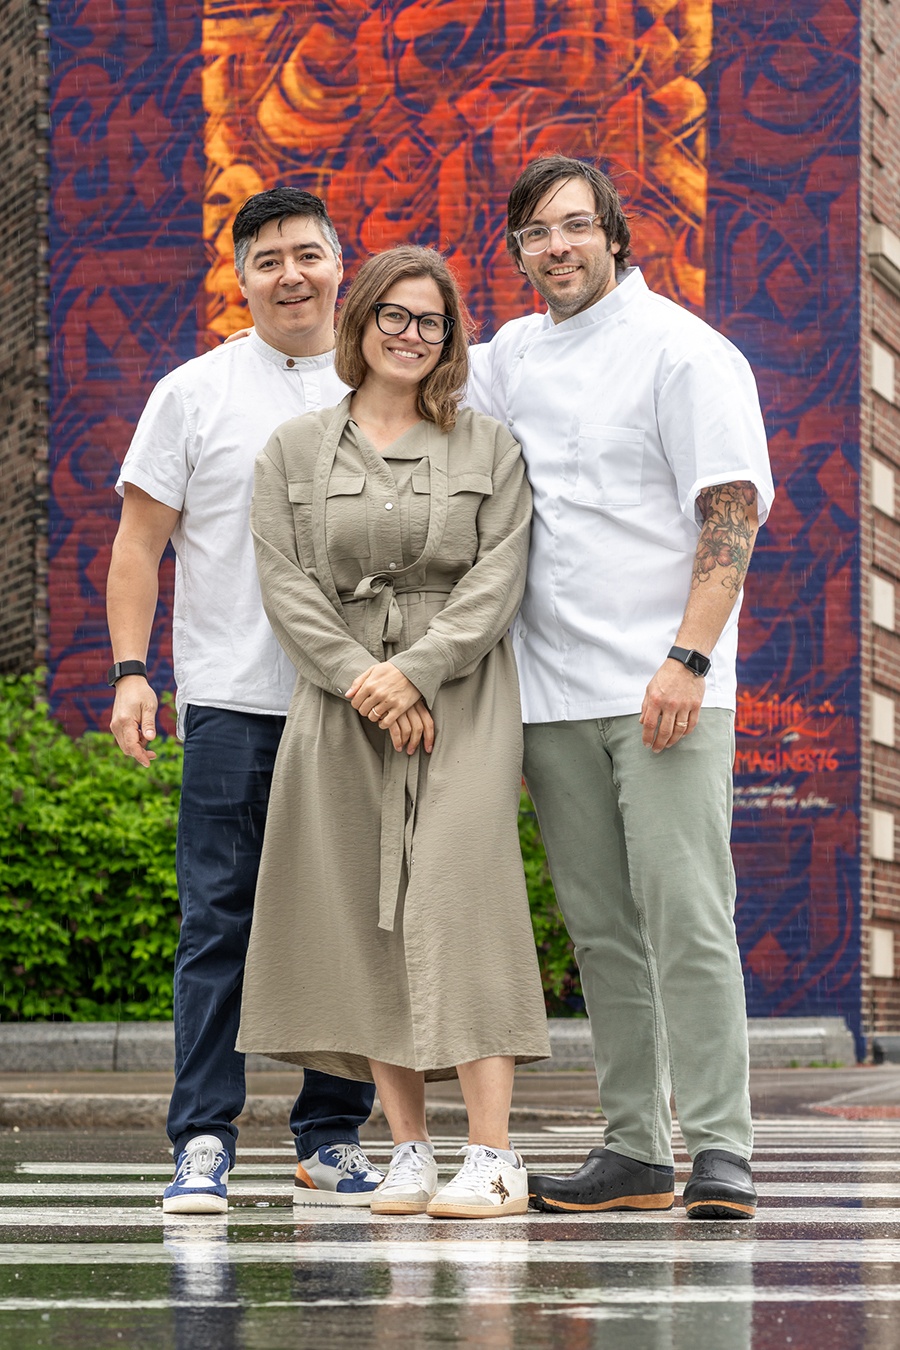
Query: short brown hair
[[538, 178], [442, 389]]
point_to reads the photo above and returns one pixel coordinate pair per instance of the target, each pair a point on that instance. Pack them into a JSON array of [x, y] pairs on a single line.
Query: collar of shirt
[[284, 360]]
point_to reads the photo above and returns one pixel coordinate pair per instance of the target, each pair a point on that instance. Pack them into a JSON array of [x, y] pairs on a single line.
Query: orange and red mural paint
[[732, 131], [414, 119]]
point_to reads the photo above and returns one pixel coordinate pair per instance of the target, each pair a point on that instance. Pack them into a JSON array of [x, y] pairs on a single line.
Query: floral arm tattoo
[[727, 535]]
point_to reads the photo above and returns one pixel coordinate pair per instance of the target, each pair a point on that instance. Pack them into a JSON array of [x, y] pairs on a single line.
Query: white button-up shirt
[[625, 412], [194, 450]]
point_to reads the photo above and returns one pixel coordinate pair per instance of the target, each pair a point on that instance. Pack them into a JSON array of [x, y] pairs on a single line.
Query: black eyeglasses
[[395, 319]]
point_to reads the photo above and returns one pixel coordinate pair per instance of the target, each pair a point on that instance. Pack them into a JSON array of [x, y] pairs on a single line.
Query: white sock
[[507, 1154]]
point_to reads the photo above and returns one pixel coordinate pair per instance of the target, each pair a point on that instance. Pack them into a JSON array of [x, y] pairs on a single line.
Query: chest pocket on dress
[[610, 463], [418, 511], [465, 494], [300, 498], [346, 531], [467, 491], [346, 517]]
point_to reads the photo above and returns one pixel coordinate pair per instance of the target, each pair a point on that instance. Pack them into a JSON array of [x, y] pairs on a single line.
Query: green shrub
[[88, 907], [88, 899]]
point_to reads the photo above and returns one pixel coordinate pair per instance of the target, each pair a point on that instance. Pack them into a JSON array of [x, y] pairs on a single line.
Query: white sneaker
[[485, 1185], [410, 1183]]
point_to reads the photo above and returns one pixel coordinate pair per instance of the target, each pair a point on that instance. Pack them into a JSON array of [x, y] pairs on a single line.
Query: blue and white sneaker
[[336, 1174], [199, 1185]]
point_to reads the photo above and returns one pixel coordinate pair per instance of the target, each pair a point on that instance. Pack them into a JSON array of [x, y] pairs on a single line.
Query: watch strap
[[695, 661], [116, 672]]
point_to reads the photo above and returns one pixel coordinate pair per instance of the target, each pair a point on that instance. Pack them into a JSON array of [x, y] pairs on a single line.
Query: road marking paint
[[131, 1216], [496, 1251], [577, 1302], [536, 1160]]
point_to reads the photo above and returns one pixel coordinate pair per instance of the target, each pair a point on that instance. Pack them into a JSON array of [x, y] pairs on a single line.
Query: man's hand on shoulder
[[671, 707], [133, 720]]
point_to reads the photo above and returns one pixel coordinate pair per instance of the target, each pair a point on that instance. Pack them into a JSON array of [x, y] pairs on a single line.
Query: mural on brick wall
[[732, 132], [782, 229]]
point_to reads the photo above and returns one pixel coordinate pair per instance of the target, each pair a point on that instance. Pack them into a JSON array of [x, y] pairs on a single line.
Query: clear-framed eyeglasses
[[534, 239], [395, 319]]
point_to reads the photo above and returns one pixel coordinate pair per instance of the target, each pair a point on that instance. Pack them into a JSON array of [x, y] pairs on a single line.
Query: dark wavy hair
[[278, 204], [442, 389], [536, 180]]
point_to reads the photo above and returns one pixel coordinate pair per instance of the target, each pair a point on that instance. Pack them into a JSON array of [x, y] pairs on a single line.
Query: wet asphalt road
[[87, 1260]]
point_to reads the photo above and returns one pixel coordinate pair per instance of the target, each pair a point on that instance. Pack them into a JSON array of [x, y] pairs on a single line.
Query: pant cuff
[[225, 1139], [310, 1140]]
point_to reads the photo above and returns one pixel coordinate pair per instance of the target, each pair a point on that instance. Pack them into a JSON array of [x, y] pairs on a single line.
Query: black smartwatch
[[696, 662], [115, 673]]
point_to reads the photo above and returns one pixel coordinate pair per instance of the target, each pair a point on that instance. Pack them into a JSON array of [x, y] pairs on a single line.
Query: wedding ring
[[681, 724]]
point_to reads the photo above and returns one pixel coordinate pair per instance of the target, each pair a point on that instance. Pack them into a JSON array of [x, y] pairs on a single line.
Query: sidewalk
[[138, 1100]]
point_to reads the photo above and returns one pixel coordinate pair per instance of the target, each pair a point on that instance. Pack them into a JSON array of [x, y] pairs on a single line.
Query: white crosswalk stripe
[[87, 1236]]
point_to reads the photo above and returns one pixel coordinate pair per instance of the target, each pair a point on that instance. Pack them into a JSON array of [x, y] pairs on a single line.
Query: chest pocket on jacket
[[610, 463]]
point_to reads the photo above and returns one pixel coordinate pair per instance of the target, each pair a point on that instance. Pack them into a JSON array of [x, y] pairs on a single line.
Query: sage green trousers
[[638, 846]]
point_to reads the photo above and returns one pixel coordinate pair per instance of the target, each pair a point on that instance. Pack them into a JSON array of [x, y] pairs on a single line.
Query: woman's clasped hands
[[384, 695]]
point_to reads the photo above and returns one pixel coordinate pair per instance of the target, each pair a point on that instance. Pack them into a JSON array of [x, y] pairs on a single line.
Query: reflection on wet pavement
[[87, 1259]]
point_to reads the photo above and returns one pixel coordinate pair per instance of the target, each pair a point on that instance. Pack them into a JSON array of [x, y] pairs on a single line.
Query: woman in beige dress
[[391, 937]]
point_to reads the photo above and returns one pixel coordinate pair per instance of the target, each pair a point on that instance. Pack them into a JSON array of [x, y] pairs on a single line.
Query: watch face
[[698, 663]]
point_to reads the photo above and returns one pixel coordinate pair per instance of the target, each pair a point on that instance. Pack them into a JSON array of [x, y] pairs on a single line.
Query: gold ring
[[681, 724]]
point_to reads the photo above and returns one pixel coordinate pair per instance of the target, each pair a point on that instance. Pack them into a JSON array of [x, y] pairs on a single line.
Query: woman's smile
[[392, 356]]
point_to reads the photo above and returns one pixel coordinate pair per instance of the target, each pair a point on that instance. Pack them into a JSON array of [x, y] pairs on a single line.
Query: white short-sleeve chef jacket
[[624, 413], [194, 450]]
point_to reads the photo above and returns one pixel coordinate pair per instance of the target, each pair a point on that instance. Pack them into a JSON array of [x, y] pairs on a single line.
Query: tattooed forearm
[[728, 511]]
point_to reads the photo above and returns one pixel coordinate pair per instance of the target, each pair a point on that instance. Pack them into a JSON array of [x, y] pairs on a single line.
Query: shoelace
[[200, 1162], [350, 1158], [479, 1166], [407, 1167]]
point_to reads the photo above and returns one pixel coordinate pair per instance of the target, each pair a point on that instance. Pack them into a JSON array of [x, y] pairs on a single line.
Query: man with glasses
[[646, 452], [188, 476]]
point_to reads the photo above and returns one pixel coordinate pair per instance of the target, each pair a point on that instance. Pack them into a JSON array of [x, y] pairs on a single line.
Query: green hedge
[[88, 900]]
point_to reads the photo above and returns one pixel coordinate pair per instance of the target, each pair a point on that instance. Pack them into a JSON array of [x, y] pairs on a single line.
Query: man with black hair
[[188, 477], [642, 433]]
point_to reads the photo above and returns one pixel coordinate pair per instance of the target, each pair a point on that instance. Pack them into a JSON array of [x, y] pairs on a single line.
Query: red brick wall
[[23, 324], [883, 44]]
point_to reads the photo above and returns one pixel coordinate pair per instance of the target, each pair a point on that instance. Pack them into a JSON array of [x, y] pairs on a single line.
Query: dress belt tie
[[399, 790], [384, 622], [400, 772]]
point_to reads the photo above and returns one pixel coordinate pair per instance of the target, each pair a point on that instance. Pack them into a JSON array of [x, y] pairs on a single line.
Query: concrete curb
[[107, 1111], [143, 1047]]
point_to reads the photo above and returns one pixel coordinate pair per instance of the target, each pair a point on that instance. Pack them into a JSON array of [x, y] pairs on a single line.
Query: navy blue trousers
[[228, 762]]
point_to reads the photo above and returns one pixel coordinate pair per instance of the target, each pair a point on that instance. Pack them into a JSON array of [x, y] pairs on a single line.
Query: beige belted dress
[[391, 918]]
